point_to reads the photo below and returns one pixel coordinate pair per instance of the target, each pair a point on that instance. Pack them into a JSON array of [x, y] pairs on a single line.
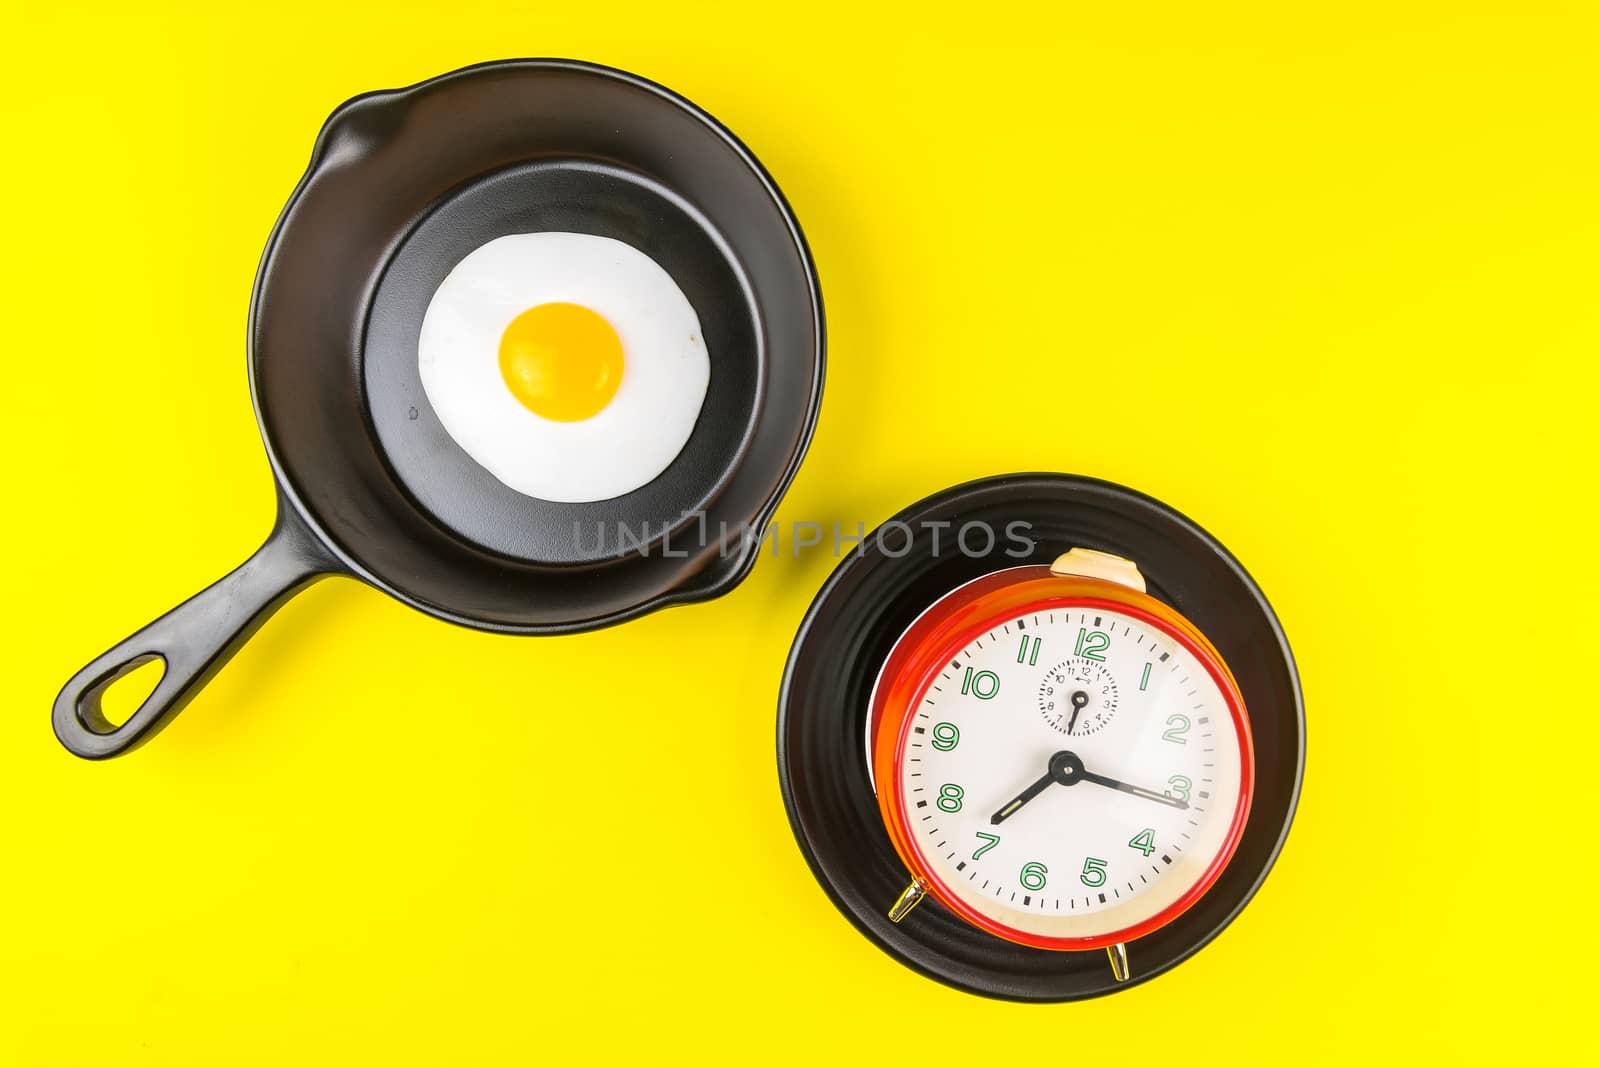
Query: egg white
[[666, 368]]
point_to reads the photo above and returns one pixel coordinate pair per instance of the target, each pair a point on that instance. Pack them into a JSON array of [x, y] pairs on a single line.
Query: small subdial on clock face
[[1078, 696]]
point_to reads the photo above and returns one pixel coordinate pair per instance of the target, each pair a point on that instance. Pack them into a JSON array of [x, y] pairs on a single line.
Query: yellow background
[[1321, 276]]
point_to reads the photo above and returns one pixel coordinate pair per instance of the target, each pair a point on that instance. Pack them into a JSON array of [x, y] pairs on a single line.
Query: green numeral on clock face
[[1177, 727], [981, 684], [1094, 872], [1144, 841], [950, 796], [1144, 680], [1178, 787], [989, 842], [1093, 643], [1028, 651], [1032, 875], [945, 736]]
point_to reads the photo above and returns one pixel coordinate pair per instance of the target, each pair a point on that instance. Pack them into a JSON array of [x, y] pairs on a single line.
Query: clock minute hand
[[1136, 791], [1033, 790]]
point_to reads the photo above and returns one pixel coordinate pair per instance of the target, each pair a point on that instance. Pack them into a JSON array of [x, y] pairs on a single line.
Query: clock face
[[1074, 775]]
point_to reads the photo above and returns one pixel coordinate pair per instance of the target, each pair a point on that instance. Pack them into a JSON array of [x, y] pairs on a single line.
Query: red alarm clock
[[1060, 759]]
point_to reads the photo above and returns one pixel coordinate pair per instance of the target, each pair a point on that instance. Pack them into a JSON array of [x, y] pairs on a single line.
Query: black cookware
[[401, 186]]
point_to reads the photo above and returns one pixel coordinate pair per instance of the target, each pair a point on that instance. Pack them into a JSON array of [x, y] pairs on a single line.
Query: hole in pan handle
[[193, 641]]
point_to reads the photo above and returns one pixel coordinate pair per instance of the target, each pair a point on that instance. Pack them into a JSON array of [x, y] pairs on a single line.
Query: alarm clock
[[1060, 759], [1040, 737]]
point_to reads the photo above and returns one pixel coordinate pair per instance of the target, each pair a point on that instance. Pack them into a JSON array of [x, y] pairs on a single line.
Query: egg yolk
[[561, 361]]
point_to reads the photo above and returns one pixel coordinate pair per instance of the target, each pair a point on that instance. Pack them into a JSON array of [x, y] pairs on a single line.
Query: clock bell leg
[[908, 900], [1119, 961]]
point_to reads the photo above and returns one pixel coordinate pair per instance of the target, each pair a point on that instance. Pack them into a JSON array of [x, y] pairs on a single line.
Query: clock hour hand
[[1065, 768], [1136, 791], [1033, 790]]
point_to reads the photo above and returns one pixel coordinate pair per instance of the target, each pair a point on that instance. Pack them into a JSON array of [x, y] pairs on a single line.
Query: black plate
[[871, 598], [401, 185], [576, 196]]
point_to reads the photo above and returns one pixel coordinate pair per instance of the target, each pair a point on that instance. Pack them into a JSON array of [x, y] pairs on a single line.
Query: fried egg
[[570, 366]]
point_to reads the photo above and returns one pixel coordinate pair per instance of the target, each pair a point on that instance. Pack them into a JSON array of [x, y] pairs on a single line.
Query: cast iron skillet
[[401, 186]]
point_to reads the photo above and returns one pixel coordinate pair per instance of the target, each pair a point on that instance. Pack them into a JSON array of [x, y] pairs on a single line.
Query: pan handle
[[193, 641]]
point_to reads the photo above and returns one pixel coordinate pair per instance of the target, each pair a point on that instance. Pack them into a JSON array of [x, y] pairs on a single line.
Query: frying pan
[[401, 186]]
